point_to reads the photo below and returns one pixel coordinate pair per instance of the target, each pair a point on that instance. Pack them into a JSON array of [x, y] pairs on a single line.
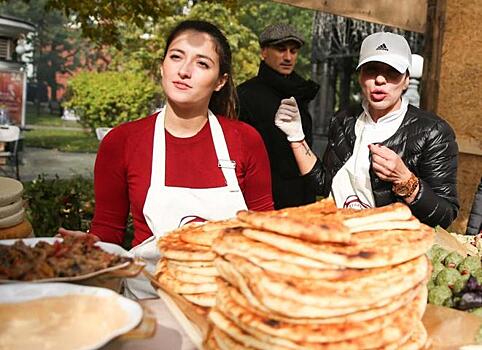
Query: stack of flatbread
[[13, 221], [187, 266], [315, 277]]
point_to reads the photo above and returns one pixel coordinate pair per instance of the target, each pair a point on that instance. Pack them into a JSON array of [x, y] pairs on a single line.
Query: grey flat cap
[[279, 33]]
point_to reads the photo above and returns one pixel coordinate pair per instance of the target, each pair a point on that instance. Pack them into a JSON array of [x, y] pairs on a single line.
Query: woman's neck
[[185, 122]]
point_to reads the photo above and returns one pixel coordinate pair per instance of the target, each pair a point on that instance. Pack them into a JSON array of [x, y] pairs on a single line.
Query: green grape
[[447, 277], [453, 259], [477, 311], [459, 285], [478, 275], [437, 253], [438, 295], [470, 264], [437, 266]]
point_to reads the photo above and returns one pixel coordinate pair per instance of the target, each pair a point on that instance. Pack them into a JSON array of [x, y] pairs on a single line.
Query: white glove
[[288, 119]]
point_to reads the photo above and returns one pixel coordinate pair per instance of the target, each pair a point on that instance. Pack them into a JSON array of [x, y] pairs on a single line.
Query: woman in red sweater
[[190, 161]]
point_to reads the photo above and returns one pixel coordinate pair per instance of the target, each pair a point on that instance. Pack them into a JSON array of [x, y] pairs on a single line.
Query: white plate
[[108, 247], [15, 293]]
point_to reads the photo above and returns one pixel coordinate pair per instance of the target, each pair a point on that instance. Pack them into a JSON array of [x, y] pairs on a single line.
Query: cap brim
[[399, 64], [284, 40]]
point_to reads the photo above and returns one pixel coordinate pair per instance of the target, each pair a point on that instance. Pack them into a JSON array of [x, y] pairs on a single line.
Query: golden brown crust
[[21, 230]]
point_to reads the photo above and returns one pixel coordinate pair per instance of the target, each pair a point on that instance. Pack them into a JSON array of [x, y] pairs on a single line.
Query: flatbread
[[381, 308], [397, 331], [173, 247], [167, 281], [10, 190], [22, 230], [201, 299], [13, 219], [308, 222], [203, 271], [192, 263], [230, 274], [357, 221], [282, 308], [210, 343], [385, 283], [206, 233], [367, 249], [164, 267], [418, 339], [234, 242], [11, 209], [252, 322], [411, 224], [225, 342]]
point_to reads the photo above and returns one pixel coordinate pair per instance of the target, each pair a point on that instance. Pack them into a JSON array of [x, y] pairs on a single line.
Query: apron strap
[[228, 166]]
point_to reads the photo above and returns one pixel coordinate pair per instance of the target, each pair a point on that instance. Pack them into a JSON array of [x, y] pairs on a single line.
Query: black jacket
[[428, 148], [474, 226], [259, 99]]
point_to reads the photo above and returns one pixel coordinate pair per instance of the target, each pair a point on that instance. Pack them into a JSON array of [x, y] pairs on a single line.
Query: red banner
[[12, 95]]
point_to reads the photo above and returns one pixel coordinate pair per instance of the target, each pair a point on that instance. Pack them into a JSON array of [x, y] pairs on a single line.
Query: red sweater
[[122, 172]]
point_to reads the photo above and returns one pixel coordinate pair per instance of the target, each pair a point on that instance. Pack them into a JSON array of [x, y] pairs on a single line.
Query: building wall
[[460, 94]]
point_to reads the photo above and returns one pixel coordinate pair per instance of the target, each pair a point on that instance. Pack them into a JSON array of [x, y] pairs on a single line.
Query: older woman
[[385, 150]]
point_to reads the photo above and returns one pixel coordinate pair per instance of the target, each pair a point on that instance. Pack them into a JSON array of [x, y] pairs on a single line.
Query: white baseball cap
[[388, 48]]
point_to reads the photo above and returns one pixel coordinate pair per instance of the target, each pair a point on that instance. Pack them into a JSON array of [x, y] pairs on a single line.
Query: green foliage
[[63, 140], [143, 49], [54, 203], [67, 203], [107, 99]]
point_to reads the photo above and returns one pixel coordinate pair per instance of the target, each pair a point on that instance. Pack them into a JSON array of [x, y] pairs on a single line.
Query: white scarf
[[351, 187]]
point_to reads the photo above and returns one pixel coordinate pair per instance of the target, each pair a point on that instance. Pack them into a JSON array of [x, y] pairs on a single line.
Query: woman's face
[[190, 70], [382, 87]]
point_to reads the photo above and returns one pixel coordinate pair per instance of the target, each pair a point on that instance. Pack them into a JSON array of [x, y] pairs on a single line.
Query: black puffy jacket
[[428, 148], [474, 225]]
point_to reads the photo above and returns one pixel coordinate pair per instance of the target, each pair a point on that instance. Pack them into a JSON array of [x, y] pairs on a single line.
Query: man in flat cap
[[259, 99]]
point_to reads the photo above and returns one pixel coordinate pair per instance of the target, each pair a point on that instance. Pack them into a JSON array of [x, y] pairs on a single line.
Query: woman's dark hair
[[222, 102]]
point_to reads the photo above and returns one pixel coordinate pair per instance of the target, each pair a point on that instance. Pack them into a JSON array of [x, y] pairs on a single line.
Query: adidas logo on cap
[[382, 47]]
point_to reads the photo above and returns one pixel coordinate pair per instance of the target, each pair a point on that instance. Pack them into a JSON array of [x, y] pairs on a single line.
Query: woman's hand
[[388, 165], [288, 119], [64, 232]]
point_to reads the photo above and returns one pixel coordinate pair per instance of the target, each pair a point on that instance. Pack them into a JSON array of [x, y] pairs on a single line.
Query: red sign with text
[[11, 95]]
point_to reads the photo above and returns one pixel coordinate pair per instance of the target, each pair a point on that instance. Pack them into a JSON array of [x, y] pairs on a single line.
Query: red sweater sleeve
[[256, 185], [111, 188]]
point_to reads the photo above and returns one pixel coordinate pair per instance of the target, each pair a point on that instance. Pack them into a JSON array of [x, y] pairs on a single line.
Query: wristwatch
[[405, 189]]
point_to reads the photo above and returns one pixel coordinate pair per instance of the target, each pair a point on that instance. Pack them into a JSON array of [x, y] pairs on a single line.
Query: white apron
[[167, 208]]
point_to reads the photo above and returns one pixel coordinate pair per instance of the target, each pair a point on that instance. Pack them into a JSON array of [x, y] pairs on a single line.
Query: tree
[[58, 47]]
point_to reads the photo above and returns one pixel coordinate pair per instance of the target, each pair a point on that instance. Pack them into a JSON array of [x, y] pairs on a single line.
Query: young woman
[[191, 161], [384, 150]]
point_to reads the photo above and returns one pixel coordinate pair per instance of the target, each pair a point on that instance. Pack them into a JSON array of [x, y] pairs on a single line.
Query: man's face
[[281, 57]]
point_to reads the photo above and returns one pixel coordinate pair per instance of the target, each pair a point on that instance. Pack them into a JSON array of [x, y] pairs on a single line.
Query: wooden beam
[[432, 54], [407, 14]]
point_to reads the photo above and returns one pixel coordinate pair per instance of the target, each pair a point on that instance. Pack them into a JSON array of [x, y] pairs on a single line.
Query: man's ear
[[264, 53], [221, 82]]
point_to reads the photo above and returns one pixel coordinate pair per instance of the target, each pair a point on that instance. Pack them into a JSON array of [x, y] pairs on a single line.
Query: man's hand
[[288, 119], [388, 165]]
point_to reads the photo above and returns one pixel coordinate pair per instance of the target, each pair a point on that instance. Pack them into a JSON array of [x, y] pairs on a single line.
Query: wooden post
[[451, 86]]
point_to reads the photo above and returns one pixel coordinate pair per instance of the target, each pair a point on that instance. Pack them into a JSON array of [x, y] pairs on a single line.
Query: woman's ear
[[406, 82], [221, 82], [162, 70]]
